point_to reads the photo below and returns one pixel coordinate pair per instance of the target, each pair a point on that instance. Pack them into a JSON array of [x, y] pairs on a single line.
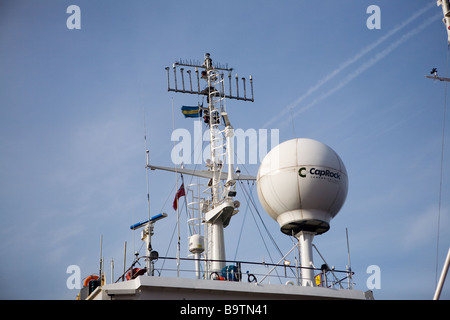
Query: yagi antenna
[[181, 66]]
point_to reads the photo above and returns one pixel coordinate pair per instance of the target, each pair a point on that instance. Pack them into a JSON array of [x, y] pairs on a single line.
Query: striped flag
[[179, 194], [191, 112]]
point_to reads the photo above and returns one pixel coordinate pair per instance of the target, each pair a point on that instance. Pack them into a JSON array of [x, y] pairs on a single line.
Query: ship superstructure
[[302, 184]]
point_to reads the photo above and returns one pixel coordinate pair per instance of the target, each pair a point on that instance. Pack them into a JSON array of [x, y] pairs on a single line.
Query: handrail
[[251, 276]]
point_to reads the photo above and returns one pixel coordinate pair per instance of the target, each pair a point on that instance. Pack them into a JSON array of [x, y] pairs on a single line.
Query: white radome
[[302, 184]]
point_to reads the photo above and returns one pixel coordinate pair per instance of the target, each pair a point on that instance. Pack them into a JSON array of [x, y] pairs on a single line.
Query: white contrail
[[347, 63], [368, 64]]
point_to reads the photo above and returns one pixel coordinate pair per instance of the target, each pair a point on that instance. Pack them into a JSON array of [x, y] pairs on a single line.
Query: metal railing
[[281, 272]]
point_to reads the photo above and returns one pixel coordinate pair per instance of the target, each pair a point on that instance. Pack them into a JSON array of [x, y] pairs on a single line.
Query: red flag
[[179, 194]]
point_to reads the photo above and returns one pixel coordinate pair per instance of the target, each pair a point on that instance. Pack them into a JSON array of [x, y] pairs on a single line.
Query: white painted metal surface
[[441, 282], [161, 288], [446, 11], [302, 183], [306, 239]]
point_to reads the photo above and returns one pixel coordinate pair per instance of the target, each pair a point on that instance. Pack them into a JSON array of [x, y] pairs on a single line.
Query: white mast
[[446, 11], [221, 206], [215, 221], [216, 242]]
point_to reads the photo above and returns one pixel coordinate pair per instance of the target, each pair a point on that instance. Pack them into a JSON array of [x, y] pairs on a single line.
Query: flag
[[191, 112], [179, 194]]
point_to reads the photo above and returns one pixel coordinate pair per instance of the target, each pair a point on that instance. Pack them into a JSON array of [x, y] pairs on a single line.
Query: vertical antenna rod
[[124, 261], [237, 85], [101, 259], [112, 270], [350, 280], [190, 79], [182, 78], [175, 76]]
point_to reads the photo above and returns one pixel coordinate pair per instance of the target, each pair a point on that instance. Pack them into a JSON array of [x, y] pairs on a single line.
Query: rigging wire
[[146, 176], [242, 229], [196, 162], [247, 194], [146, 160], [292, 120], [168, 247], [252, 200], [147, 179], [178, 207], [176, 227], [256, 223], [442, 167]]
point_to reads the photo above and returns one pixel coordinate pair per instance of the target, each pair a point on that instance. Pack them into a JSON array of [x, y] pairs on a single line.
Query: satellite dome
[[302, 184]]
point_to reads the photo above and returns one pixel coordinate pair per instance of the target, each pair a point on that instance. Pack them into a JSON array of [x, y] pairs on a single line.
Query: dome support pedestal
[[305, 239], [302, 184]]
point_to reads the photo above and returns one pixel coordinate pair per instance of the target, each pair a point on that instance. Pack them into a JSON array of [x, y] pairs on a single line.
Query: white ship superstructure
[[301, 183]]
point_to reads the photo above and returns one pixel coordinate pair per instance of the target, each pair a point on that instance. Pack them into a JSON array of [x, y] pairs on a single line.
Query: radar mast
[[218, 211]]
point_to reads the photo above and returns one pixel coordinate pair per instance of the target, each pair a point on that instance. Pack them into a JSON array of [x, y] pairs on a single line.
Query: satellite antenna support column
[[305, 239]]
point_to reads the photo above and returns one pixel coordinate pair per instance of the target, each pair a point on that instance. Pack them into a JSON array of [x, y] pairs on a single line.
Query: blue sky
[[72, 105]]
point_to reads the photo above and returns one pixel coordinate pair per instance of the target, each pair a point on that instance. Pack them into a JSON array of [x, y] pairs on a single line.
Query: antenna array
[[181, 66]]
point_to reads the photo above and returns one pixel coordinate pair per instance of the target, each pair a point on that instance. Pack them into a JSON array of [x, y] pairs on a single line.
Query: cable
[[242, 229], [442, 168], [252, 200], [254, 219]]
